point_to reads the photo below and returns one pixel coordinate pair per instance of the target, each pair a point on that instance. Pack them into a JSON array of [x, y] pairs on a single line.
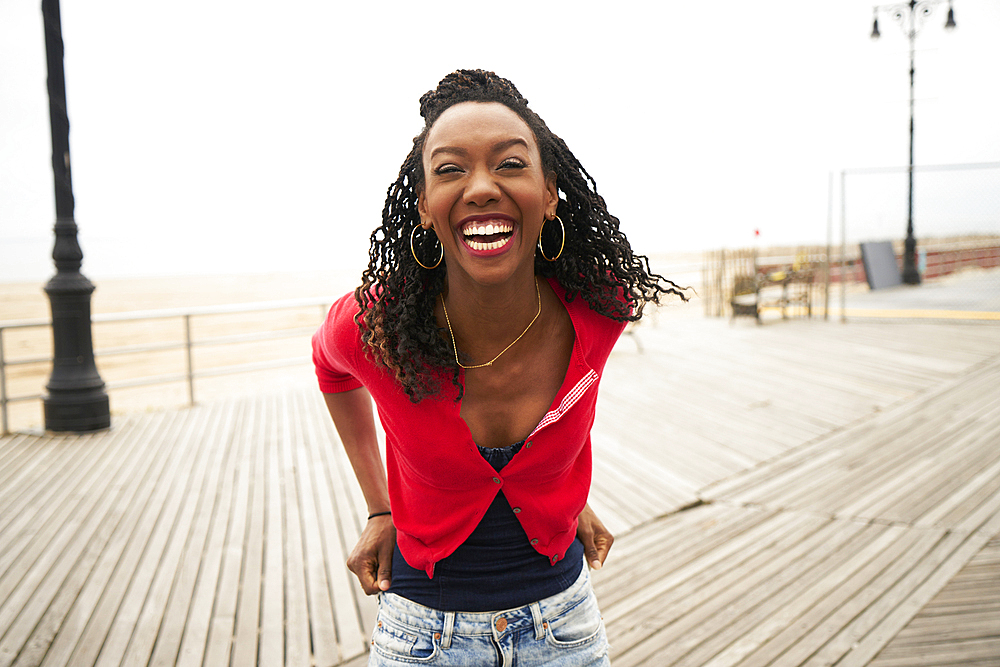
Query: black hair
[[397, 295]]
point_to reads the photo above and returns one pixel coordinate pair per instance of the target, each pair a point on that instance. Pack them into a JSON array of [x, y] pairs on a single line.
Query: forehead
[[474, 123]]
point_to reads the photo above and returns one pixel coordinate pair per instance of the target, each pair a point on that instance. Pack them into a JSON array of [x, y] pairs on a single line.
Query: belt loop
[[449, 627], [536, 617]]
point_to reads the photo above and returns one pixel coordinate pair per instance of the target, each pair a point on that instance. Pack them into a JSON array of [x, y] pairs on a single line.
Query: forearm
[[355, 422]]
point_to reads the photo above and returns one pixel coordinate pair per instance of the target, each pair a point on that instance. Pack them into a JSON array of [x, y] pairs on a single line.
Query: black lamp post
[[76, 399], [911, 16]]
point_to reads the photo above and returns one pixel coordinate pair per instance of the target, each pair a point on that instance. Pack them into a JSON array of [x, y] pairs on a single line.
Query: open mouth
[[488, 236]]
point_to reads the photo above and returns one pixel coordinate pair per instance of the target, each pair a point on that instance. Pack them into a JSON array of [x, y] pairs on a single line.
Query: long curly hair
[[397, 295]]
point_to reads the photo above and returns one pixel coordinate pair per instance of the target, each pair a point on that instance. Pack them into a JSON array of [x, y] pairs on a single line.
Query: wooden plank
[[298, 652], [152, 541], [218, 647], [633, 618], [177, 527], [337, 514], [918, 567], [11, 445], [788, 620], [868, 486], [638, 579], [869, 592], [865, 650], [248, 608], [272, 612], [965, 499], [198, 626], [50, 548], [807, 629], [983, 514], [982, 652], [964, 474], [768, 606], [178, 609], [38, 511], [678, 638], [30, 636], [83, 633], [323, 629], [22, 461]]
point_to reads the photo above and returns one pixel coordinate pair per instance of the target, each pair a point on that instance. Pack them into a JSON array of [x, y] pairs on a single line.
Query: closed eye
[[447, 169], [512, 163]]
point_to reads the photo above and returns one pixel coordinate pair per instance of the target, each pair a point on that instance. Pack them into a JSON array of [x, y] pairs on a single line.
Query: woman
[[497, 285]]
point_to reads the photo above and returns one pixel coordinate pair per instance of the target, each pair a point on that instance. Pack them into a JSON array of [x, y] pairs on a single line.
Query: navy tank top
[[495, 568]]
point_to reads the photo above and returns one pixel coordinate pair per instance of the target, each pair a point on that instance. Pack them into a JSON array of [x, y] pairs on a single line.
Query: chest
[[504, 403]]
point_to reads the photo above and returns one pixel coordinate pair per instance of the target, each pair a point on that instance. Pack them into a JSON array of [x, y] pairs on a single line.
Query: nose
[[482, 188]]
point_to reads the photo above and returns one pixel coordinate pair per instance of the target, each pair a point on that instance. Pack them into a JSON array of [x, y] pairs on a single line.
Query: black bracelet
[[372, 516]]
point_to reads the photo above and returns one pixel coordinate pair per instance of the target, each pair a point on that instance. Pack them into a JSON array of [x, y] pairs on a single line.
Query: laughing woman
[[497, 285]]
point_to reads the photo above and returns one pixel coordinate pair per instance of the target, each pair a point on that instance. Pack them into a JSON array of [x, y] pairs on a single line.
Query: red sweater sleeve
[[337, 348]]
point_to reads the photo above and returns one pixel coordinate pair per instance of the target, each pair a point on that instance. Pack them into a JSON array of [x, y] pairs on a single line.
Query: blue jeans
[[564, 630]]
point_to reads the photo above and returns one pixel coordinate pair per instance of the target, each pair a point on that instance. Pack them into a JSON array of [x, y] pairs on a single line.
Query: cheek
[[533, 199], [437, 204]]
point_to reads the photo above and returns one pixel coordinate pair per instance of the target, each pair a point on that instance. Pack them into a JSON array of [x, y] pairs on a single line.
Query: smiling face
[[484, 191]]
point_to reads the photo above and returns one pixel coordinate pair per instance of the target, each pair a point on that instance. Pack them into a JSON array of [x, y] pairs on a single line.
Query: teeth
[[488, 229], [478, 245]]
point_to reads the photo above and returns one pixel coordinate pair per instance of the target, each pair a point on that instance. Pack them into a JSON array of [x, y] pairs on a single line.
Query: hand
[[597, 539], [371, 558]]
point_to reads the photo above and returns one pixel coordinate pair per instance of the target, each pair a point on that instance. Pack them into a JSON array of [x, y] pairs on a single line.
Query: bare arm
[[371, 558]]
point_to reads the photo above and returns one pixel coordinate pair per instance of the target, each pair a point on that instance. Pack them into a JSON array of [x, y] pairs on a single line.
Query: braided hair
[[397, 295]]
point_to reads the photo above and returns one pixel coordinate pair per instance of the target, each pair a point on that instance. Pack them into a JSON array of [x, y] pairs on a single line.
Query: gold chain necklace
[[490, 362]]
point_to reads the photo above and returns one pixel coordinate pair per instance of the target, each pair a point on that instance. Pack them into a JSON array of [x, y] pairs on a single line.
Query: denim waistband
[[496, 623]]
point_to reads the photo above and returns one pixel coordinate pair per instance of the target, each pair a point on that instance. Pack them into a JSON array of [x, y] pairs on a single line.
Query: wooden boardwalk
[[824, 552], [802, 493]]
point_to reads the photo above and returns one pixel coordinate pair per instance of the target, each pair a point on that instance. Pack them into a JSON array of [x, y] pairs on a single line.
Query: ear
[[425, 216], [552, 196]]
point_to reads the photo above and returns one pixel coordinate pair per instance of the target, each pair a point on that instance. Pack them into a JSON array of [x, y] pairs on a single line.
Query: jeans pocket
[[399, 642], [578, 626]]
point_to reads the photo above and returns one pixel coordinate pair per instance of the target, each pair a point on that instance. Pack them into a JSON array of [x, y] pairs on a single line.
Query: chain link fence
[[956, 221]]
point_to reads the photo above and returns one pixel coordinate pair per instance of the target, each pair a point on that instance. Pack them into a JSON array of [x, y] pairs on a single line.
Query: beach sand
[[28, 301]]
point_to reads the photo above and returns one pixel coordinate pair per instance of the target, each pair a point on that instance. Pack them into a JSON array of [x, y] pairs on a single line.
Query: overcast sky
[[232, 137]]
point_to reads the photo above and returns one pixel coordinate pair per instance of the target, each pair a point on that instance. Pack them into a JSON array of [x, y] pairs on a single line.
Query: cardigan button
[[528, 444], [517, 510], [534, 541], [496, 479]]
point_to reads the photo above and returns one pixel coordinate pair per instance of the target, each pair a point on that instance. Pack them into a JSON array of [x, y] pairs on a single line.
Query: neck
[[485, 317]]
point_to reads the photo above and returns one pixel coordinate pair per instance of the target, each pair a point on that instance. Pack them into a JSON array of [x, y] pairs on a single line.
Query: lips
[[487, 233]]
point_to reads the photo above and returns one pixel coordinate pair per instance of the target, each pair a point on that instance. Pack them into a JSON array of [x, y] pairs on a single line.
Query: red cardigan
[[439, 484]]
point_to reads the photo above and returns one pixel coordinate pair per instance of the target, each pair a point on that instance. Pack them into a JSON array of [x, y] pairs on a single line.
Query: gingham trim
[[568, 401]]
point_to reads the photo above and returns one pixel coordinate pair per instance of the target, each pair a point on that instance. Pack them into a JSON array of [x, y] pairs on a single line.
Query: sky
[[257, 137]]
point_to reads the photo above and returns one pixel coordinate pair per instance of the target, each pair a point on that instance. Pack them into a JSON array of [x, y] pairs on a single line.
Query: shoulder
[[343, 313], [592, 327], [339, 331]]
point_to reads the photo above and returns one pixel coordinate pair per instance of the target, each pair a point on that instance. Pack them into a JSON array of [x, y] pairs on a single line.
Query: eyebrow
[[496, 148]]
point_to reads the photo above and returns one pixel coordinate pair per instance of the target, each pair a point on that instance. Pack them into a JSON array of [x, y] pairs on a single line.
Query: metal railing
[[188, 344]]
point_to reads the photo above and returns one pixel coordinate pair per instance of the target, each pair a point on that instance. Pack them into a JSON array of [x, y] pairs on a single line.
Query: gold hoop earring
[[562, 244], [414, 251]]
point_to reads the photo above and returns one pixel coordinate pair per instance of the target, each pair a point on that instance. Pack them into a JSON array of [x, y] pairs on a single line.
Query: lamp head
[[950, 23]]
